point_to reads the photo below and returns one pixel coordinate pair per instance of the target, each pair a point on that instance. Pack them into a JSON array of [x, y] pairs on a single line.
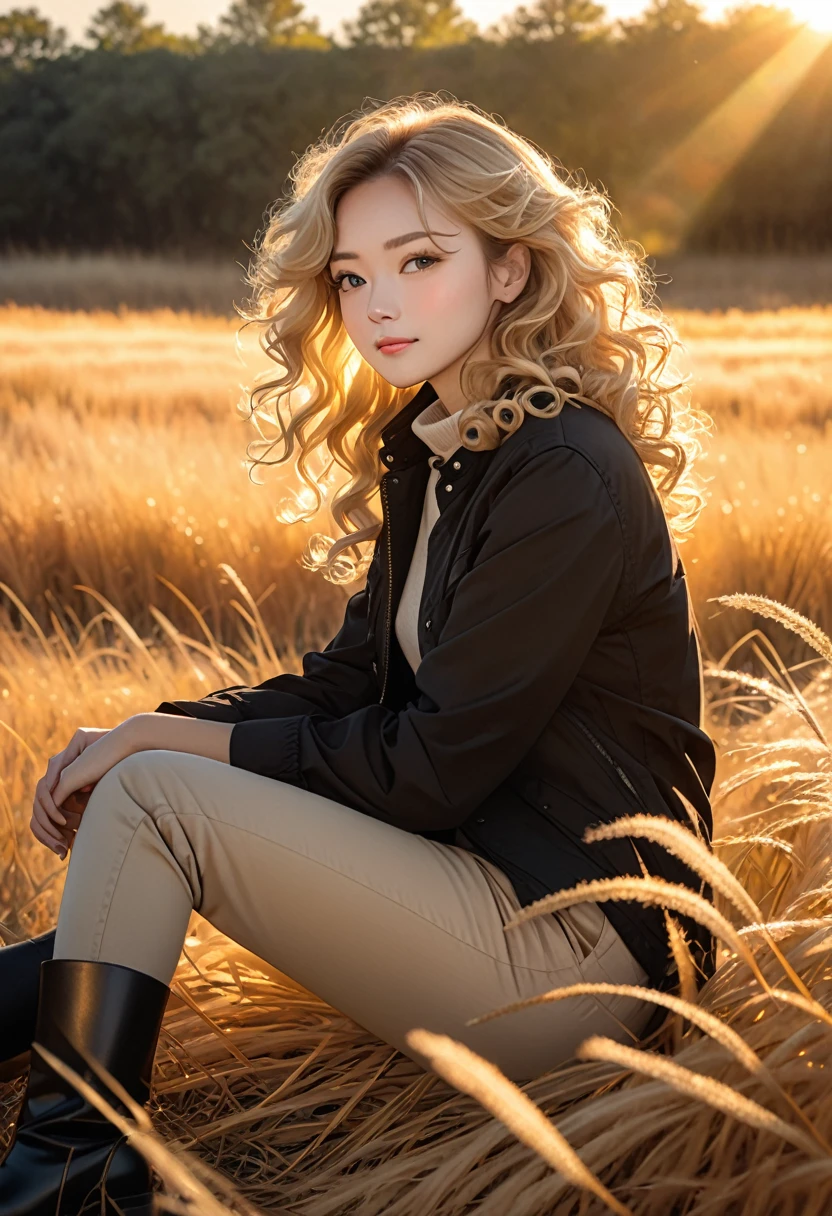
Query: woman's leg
[[392, 929]]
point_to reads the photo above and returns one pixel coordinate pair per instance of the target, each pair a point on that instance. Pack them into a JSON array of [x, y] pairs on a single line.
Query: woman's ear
[[511, 272]]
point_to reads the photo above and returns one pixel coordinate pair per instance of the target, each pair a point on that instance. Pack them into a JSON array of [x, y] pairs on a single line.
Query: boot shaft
[[103, 1011], [66, 1154]]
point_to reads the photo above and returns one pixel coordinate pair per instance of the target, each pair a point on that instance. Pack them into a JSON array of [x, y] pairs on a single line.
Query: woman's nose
[[382, 307]]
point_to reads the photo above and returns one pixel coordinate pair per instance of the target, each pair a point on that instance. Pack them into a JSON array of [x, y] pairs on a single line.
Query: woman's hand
[[62, 793], [72, 809]]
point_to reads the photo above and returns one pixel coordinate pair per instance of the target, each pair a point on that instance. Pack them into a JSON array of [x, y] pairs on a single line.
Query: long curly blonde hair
[[583, 328]]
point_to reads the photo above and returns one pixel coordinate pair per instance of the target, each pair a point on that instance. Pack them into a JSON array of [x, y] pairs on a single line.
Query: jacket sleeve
[[548, 570], [336, 681]]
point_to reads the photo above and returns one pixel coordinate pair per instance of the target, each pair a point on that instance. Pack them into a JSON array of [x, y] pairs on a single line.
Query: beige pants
[[392, 929]]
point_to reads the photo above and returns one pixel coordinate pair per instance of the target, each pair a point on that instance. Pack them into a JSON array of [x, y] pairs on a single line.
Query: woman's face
[[397, 283]]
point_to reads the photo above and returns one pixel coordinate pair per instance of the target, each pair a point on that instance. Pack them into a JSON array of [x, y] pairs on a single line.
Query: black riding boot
[[67, 1157], [19, 983]]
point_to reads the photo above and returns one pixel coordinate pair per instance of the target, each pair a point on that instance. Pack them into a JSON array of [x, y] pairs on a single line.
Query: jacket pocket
[[603, 756]]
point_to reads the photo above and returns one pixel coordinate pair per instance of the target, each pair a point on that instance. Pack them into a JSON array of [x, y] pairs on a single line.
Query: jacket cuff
[[215, 711], [170, 707], [268, 746]]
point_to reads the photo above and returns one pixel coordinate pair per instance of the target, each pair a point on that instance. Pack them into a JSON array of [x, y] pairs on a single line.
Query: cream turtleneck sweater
[[440, 431]]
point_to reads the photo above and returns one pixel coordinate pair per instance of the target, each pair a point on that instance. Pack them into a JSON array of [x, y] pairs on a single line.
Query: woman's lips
[[393, 348]]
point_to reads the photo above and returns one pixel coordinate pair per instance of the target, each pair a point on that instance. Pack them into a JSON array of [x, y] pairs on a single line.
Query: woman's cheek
[[358, 329], [465, 288], [444, 297], [457, 318]]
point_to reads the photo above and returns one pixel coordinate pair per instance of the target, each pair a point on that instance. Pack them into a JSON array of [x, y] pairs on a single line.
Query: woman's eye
[[347, 275], [421, 257]]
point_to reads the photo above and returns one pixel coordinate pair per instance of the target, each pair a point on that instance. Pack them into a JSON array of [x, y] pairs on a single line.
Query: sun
[[817, 14]]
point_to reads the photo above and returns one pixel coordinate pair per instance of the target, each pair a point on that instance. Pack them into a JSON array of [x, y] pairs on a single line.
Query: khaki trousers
[[392, 929]]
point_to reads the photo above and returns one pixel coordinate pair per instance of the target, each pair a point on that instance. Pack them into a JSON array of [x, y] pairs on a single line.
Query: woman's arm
[[186, 734], [549, 573]]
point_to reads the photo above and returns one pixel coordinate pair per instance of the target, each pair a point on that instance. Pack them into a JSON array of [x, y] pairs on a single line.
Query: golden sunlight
[[672, 191], [816, 13]]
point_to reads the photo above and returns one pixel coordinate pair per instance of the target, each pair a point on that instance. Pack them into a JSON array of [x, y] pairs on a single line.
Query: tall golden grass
[[264, 1096], [129, 470]]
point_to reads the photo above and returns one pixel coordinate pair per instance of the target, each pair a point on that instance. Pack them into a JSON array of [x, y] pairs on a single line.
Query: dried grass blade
[[124, 625], [679, 841], [705, 1089], [478, 1077], [707, 1022], [799, 624], [649, 891]]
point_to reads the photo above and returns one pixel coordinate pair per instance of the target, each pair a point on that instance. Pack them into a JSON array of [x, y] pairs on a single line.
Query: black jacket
[[560, 684]]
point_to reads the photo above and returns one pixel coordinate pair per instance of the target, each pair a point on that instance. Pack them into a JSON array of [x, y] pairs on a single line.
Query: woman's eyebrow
[[393, 243]]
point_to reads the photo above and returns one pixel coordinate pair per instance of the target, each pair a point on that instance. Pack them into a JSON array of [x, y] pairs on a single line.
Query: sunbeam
[[669, 195]]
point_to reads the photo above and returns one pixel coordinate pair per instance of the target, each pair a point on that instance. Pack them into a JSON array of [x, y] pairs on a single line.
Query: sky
[[182, 16]]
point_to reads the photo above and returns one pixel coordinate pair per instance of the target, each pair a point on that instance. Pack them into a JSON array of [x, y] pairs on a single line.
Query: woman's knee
[[128, 791]]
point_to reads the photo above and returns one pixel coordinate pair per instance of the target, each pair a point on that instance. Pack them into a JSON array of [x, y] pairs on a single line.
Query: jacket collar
[[401, 447]]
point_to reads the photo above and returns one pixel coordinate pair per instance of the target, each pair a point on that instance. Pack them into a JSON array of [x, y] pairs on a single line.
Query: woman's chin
[[402, 378], [408, 374]]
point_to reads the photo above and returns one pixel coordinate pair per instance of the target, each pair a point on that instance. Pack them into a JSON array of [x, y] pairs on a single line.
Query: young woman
[[520, 663]]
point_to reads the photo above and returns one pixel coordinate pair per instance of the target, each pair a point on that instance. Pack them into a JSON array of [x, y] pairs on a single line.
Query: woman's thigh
[[392, 929]]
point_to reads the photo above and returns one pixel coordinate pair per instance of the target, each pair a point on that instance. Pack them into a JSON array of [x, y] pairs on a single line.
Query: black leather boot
[[66, 1157], [19, 984]]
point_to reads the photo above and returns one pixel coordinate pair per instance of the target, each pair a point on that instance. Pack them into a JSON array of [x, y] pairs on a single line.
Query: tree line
[[144, 139]]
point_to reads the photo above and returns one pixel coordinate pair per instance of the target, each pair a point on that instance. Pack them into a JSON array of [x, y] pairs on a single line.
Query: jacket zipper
[[389, 590], [573, 717]]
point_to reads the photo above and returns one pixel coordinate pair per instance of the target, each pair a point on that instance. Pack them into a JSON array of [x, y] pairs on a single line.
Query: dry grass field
[[138, 561]]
